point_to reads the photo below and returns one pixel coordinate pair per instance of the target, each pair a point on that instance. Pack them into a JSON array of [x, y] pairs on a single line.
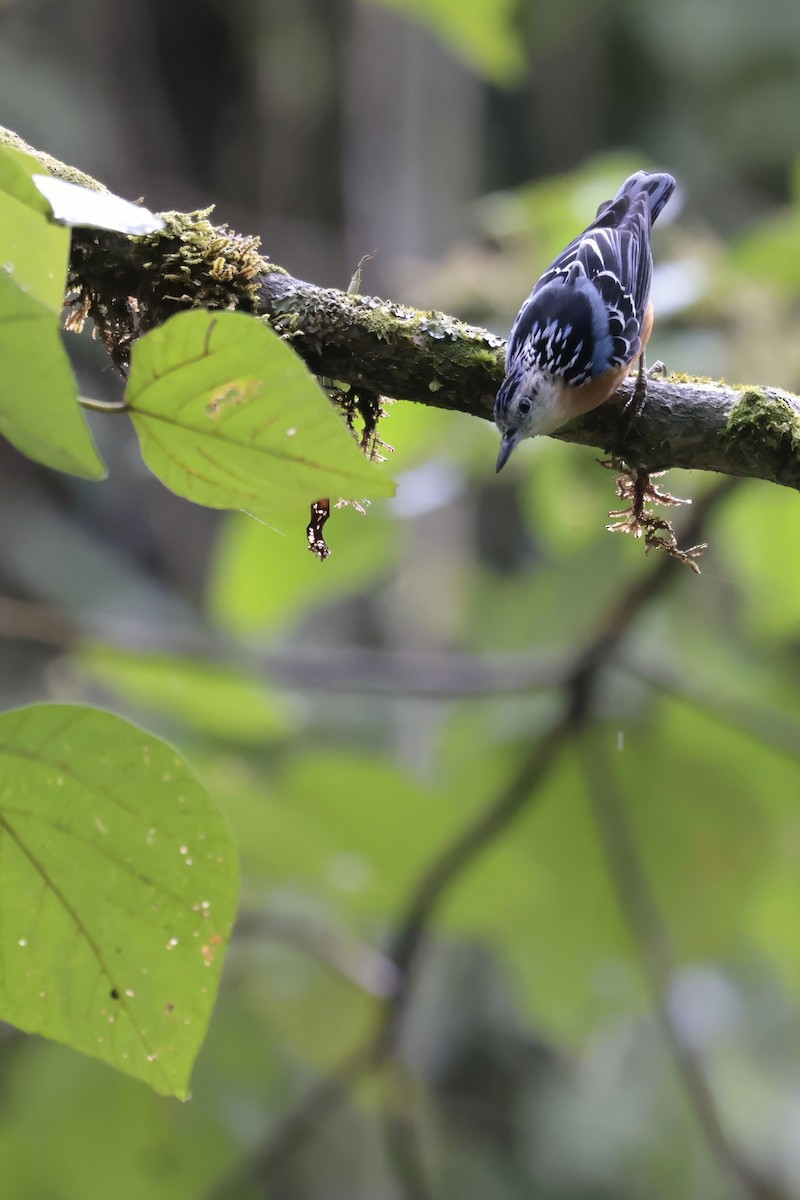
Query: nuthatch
[[587, 320]]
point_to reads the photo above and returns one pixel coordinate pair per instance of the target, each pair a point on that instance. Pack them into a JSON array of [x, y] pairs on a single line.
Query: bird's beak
[[506, 446]]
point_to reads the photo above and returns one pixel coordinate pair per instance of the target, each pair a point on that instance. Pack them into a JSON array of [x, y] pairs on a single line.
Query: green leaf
[[229, 416], [39, 411], [118, 885], [479, 31], [212, 698], [32, 249], [108, 1138]]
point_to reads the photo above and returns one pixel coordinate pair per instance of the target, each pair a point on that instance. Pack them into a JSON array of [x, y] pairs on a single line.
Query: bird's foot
[[634, 406], [635, 485]]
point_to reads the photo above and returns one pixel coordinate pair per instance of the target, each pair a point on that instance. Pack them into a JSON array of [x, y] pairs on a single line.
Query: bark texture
[[127, 285]]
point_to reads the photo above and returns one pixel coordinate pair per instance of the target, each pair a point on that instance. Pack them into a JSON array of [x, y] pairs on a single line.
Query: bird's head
[[527, 404]]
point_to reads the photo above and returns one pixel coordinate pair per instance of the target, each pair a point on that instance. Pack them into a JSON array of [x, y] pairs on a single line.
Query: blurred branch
[[316, 1107], [323, 942], [401, 1135], [327, 1096], [772, 728], [28, 620], [432, 676], [649, 930], [127, 285], [355, 670], [525, 788], [358, 671], [582, 677]]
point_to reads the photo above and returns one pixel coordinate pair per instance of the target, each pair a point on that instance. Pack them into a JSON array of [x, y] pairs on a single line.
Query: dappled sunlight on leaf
[[229, 416], [118, 889], [39, 410]]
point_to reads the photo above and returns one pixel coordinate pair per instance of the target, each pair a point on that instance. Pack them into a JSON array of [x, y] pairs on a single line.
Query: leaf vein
[[50, 884]]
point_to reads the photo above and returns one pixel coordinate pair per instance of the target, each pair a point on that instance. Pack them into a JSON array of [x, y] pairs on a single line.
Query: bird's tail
[[657, 186]]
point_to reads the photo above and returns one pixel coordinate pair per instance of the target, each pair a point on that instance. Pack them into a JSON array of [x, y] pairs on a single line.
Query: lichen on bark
[[763, 425], [380, 348], [129, 285]]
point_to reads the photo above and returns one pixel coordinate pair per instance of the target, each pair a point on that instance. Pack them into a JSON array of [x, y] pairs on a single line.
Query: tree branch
[[649, 930], [402, 352], [581, 678], [436, 360]]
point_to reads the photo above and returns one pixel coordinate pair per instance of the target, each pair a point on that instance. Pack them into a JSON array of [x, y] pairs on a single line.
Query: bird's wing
[[585, 313]]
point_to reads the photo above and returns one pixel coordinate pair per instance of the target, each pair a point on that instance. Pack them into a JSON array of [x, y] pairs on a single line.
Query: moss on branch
[[127, 285], [765, 427], [402, 352]]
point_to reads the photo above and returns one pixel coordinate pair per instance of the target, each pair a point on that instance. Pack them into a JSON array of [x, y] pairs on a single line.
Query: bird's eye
[[524, 406]]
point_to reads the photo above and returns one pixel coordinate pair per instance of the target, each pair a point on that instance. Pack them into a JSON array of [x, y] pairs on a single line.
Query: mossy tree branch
[[127, 285]]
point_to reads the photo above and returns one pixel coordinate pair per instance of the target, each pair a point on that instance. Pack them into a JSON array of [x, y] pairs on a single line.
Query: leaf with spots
[[230, 417], [118, 887]]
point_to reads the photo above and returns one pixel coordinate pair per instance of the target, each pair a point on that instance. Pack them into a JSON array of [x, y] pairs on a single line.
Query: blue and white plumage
[[587, 319]]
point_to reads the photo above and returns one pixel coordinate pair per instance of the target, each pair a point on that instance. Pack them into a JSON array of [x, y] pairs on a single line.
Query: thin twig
[[326, 1097], [373, 672], [28, 620], [648, 928], [315, 1108], [325, 943], [775, 729], [401, 1136], [433, 676], [356, 670], [525, 787]]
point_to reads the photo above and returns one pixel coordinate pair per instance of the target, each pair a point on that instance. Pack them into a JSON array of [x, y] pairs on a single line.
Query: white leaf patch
[[75, 205]]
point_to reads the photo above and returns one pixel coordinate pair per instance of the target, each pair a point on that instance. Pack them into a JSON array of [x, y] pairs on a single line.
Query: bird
[[587, 320]]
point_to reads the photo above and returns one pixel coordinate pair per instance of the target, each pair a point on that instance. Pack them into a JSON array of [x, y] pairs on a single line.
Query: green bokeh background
[[464, 144]]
